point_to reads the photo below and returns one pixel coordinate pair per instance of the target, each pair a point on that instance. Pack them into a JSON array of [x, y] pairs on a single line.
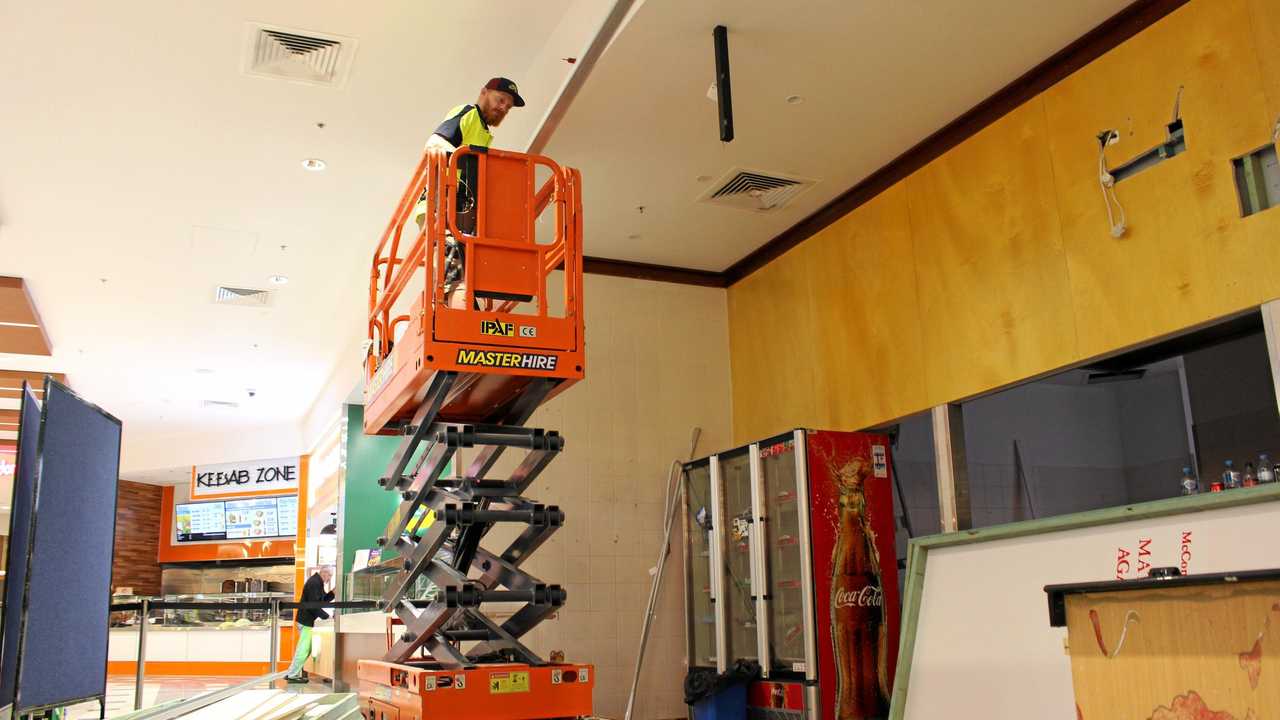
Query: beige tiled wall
[[656, 367]]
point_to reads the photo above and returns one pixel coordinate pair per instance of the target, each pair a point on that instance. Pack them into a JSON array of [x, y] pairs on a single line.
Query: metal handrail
[[233, 605], [145, 607], [436, 179]]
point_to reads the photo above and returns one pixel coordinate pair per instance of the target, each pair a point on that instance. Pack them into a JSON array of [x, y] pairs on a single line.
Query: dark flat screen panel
[[63, 650], [20, 514]]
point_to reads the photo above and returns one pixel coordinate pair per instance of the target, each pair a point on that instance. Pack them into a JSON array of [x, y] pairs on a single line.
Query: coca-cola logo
[[867, 596]]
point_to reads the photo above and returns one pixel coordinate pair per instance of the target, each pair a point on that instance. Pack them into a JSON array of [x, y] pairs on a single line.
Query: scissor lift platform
[[478, 351], [494, 325]]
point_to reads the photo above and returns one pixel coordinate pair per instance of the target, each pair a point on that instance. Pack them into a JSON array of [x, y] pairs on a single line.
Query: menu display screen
[[251, 518], [201, 521], [287, 514], [247, 519]]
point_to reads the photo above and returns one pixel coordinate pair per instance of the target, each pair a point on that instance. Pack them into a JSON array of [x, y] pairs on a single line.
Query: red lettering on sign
[[1122, 563], [1144, 551]]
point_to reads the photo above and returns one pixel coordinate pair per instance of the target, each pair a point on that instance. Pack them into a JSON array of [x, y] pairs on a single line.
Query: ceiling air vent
[[755, 190], [220, 404], [298, 55], [250, 297]]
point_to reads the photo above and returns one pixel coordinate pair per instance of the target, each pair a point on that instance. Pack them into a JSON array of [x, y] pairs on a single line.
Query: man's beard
[[492, 119]]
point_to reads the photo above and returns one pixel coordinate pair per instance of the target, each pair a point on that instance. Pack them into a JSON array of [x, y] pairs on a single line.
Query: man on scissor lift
[[469, 125]]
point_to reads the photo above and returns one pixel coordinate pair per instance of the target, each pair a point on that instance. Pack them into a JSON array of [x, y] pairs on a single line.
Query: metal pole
[[673, 504], [275, 635], [655, 595], [140, 677]]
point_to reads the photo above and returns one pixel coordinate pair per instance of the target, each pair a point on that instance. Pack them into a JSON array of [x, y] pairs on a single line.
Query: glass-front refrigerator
[[699, 598], [736, 537], [784, 554], [790, 576]]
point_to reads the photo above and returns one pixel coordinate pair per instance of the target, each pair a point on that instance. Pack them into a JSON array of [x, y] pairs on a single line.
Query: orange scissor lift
[[465, 366]]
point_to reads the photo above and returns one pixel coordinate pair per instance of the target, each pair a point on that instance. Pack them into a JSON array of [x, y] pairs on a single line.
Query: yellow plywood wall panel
[[1265, 17], [1264, 227], [771, 343], [868, 356], [1186, 257], [1015, 268], [994, 298]]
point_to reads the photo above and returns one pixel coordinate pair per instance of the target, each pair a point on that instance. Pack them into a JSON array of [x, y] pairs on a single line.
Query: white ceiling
[[876, 78], [139, 167]]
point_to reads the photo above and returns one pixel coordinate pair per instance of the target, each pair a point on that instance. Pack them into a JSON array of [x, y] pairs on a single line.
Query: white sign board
[[252, 477], [984, 646]]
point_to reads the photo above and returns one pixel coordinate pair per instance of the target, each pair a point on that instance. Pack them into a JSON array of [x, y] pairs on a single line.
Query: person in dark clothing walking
[[315, 590]]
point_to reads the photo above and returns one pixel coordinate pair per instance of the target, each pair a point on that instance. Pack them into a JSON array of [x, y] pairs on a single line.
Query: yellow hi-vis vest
[[462, 126]]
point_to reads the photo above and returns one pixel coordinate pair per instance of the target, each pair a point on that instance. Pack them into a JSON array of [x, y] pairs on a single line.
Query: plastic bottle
[[1189, 484], [1266, 474], [1230, 476], [1250, 479]]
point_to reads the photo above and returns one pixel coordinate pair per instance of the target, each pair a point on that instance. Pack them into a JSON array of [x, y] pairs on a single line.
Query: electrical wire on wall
[[1174, 143], [1108, 183]]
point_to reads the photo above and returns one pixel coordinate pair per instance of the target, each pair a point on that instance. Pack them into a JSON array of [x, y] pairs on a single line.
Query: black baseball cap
[[506, 86]]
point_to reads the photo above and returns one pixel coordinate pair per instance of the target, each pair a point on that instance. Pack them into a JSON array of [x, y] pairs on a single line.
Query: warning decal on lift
[[380, 378], [508, 682]]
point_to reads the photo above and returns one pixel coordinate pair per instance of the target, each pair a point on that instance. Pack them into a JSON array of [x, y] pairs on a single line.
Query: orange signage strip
[[202, 669]]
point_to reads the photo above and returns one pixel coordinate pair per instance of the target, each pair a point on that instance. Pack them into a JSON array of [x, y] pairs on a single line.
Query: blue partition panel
[[62, 653], [20, 514]]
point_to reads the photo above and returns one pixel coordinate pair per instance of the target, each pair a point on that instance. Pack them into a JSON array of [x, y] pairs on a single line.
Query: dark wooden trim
[[1111, 33], [658, 273]]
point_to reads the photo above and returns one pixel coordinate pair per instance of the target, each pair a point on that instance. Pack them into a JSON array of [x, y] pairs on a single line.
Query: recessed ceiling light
[[633, 236], [314, 164], [203, 371], [794, 99], [278, 279]]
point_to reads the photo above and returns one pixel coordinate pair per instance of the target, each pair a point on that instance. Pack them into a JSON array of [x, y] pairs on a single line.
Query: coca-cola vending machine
[[789, 561]]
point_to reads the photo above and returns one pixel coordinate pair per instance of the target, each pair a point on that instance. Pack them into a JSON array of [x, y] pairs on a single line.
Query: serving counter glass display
[[369, 583], [219, 618], [197, 641]]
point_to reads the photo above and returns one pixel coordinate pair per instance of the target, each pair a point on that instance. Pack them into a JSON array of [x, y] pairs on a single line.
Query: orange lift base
[[425, 691]]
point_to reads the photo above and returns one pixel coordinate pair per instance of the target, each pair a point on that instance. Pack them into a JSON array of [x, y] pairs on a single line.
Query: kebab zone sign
[[251, 477]]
